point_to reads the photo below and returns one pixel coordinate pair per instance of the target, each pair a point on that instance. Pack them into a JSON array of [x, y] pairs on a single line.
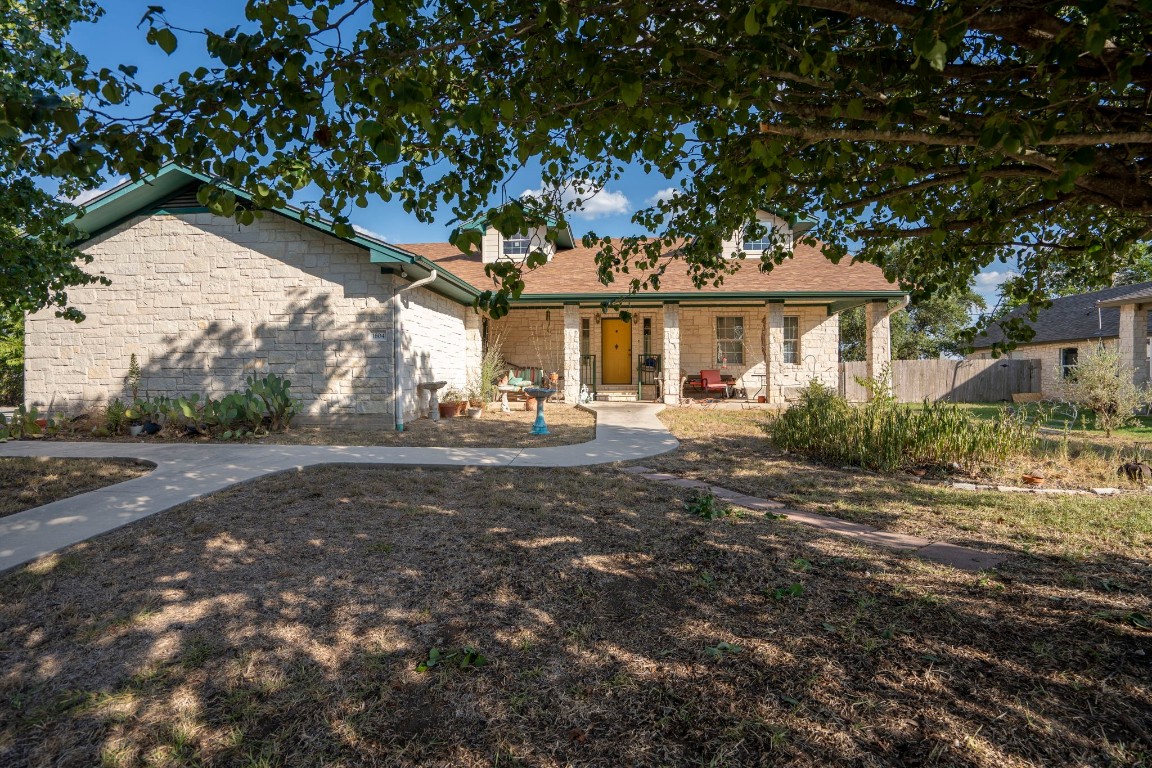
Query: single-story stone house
[[357, 323], [1075, 325]]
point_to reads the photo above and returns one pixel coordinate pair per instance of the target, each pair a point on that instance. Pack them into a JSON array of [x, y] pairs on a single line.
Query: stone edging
[[942, 552]]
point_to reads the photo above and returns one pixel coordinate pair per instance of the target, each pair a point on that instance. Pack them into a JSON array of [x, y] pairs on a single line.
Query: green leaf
[[630, 92], [937, 55], [164, 38]]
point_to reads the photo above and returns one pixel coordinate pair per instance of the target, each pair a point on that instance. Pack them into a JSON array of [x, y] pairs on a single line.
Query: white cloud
[[369, 233], [993, 278], [664, 194], [586, 202], [92, 194]]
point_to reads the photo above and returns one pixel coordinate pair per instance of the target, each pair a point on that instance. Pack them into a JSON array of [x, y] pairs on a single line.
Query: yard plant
[[1103, 384], [885, 436]]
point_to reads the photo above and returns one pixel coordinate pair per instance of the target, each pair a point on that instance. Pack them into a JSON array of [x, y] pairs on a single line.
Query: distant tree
[[11, 356], [1138, 268], [927, 329]]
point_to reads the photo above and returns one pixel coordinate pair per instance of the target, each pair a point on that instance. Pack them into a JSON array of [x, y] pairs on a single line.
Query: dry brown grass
[[281, 623], [32, 482], [729, 448], [569, 425]]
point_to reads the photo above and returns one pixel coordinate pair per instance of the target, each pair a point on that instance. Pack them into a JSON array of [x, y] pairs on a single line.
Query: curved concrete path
[[624, 431]]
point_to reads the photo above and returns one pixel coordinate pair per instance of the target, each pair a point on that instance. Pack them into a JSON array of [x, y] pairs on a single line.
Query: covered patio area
[[755, 351]]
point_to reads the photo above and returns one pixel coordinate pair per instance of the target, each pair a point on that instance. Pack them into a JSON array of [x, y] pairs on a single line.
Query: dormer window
[[757, 244], [516, 246]]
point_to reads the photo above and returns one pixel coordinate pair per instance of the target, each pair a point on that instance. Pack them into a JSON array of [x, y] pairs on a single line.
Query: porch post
[[1133, 342], [878, 339], [571, 353], [671, 388], [774, 364]]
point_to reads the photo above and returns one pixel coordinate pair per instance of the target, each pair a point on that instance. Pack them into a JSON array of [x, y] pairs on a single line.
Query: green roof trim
[[855, 297], [564, 237]]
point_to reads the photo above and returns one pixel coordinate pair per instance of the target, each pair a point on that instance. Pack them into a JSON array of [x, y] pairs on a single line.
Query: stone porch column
[[774, 365], [877, 337], [571, 353], [473, 343], [1133, 342], [671, 388]]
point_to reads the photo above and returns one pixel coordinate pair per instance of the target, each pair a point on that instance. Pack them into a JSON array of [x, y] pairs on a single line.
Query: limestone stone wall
[[436, 344], [819, 346], [203, 302], [535, 337]]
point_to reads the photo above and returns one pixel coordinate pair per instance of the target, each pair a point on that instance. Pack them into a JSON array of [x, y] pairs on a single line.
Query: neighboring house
[[203, 302], [1075, 325]]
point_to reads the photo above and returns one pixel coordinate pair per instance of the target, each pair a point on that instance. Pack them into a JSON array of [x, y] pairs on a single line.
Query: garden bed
[[494, 429], [284, 622]]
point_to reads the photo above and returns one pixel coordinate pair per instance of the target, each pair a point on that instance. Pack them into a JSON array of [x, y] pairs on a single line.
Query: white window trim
[[799, 356]]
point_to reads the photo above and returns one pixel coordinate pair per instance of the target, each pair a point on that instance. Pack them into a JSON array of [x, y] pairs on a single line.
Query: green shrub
[[885, 436], [1102, 383], [116, 416]]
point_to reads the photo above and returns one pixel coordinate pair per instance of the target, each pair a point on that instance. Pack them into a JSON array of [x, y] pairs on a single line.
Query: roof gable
[[170, 185]]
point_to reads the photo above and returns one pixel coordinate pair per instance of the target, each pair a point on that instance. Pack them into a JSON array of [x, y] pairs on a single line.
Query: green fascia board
[[813, 297]]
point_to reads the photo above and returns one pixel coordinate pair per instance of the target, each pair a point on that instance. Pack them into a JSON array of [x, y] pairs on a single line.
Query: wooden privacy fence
[[960, 381]]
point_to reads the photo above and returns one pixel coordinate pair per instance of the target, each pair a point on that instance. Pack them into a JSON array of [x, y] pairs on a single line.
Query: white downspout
[[398, 347], [903, 302]]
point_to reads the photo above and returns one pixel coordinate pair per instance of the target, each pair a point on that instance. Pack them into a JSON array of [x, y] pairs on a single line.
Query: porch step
[[616, 396]]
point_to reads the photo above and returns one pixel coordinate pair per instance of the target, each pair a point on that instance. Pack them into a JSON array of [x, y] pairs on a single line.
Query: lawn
[[568, 425], [730, 448], [1057, 416], [32, 482], [579, 616]]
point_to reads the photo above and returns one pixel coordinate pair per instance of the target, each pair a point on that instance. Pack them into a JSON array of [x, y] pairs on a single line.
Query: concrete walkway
[[624, 432]]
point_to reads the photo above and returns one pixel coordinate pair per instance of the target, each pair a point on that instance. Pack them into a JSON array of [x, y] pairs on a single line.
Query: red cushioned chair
[[710, 382]]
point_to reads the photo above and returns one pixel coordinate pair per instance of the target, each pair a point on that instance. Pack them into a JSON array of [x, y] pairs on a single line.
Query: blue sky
[[116, 39]]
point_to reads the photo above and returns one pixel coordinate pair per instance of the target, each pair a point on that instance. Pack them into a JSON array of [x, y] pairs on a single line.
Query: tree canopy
[[974, 131], [40, 140]]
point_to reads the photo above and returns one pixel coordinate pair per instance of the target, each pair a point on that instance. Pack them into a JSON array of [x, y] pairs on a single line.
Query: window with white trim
[[729, 340], [1069, 357], [518, 245], [791, 340], [754, 243]]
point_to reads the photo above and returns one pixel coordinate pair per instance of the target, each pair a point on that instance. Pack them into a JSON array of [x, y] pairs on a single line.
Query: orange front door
[[616, 336]]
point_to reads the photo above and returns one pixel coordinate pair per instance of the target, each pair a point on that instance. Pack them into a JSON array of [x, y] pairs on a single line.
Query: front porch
[[766, 349]]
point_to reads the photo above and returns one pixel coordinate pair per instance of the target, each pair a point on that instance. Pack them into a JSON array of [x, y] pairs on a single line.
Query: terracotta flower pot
[[448, 410]]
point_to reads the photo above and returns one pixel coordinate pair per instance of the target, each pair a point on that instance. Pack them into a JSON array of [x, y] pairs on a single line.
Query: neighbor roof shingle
[[1073, 318], [573, 271]]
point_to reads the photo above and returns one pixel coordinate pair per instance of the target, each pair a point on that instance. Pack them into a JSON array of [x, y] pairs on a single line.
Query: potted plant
[[452, 403], [475, 406]]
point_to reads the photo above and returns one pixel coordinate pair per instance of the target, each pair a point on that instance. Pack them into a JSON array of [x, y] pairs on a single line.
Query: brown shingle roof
[[573, 271]]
